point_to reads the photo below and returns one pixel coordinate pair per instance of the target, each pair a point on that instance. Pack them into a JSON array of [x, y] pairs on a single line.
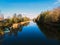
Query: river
[[29, 34]]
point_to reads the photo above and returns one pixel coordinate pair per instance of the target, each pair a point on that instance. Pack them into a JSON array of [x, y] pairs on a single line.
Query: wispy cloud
[[57, 2]]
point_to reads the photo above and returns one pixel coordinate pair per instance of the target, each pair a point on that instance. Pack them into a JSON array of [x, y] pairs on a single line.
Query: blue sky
[[29, 8]]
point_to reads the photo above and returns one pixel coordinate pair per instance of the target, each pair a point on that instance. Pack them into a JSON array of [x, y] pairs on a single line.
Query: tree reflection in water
[[10, 32], [1, 35], [51, 31], [15, 31]]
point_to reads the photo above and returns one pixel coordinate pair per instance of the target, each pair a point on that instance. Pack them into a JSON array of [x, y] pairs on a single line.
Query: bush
[[49, 16]]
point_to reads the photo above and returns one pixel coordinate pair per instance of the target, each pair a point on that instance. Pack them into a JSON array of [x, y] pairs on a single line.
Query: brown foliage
[[49, 16]]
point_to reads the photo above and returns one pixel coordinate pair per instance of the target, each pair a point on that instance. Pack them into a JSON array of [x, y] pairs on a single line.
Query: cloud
[[57, 2]]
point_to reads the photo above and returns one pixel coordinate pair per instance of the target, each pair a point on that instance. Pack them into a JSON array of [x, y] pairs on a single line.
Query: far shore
[[17, 25]]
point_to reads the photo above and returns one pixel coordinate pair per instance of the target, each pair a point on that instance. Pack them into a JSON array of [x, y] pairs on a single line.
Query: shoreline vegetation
[[49, 23], [14, 22], [52, 16], [14, 19]]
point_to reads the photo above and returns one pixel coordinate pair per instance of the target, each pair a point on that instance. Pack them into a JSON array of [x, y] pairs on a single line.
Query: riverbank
[[17, 25], [49, 23]]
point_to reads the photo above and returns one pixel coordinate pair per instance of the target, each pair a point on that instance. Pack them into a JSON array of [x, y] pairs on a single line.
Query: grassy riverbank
[[49, 23], [14, 22], [14, 28], [51, 17]]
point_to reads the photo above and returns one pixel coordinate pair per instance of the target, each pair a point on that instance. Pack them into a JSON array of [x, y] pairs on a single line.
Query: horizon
[[29, 8]]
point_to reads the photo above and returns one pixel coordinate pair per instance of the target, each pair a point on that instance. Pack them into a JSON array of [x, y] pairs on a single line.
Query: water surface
[[29, 34]]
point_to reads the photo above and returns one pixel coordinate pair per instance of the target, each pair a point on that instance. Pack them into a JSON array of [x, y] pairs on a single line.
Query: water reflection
[[51, 31], [15, 31], [30, 34], [10, 32]]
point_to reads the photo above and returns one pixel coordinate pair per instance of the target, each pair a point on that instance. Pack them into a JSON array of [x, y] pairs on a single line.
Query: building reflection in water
[[50, 31]]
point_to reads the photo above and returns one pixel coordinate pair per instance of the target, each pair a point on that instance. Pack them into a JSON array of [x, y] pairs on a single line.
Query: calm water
[[27, 35]]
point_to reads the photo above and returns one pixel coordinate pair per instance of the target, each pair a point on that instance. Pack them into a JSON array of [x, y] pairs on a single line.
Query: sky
[[29, 8]]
